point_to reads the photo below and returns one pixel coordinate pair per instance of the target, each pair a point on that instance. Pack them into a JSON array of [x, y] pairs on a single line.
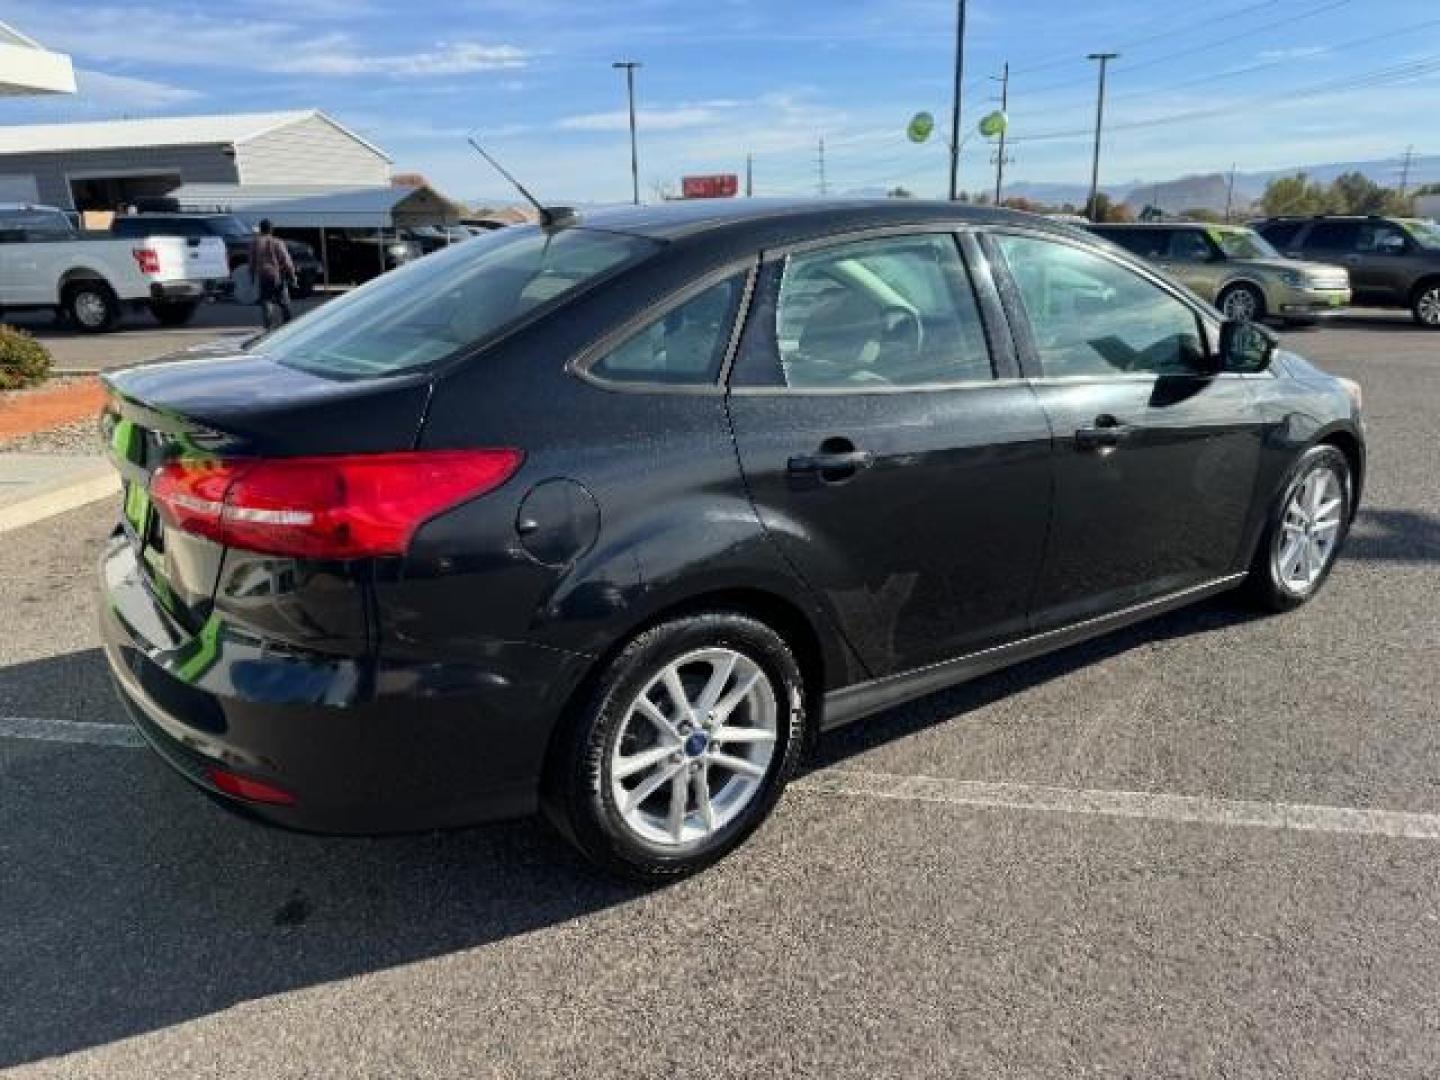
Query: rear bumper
[[180, 291], [363, 747]]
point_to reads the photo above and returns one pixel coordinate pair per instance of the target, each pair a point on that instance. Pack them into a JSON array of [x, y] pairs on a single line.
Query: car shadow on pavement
[[1394, 536], [129, 903]]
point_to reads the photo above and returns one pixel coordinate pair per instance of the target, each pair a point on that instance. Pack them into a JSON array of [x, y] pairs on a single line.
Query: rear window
[[445, 303]]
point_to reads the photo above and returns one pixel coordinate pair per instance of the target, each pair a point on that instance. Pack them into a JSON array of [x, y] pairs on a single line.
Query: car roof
[[763, 221], [1101, 226]]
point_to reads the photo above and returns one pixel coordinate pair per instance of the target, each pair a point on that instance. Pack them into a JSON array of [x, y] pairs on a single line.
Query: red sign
[[718, 186]]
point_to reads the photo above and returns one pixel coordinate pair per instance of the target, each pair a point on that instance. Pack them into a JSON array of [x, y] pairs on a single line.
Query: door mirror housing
[[1246, 347]]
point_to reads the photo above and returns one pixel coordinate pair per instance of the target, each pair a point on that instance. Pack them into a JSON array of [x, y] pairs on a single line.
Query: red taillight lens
[[148, 259], [248, 788], [324, 507]]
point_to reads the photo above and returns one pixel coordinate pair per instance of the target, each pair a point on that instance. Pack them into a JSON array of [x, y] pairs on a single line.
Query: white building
[[27, 67], [104, 165]]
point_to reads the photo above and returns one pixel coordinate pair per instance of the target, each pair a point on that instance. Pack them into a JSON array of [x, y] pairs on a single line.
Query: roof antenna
[[551, 217]]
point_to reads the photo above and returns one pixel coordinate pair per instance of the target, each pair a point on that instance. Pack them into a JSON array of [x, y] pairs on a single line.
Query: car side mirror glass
[[1246, 347]]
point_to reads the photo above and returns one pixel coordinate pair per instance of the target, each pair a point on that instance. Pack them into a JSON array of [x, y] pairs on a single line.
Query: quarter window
[[897, 311], [1090, 316], [683, 347]]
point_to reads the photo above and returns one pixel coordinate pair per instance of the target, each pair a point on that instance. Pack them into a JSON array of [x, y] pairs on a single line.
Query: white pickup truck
[[45, 262]]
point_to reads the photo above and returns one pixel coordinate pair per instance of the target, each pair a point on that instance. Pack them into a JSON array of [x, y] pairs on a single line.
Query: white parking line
[[1125, 804], [69, 731]]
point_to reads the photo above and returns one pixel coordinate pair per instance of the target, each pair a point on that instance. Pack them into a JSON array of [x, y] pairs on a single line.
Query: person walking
[[274, 273]]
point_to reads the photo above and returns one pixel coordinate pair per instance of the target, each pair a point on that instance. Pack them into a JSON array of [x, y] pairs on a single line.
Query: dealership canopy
[[26, 67]]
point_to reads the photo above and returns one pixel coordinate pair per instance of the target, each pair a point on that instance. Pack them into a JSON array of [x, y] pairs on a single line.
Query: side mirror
[[1246, 347]]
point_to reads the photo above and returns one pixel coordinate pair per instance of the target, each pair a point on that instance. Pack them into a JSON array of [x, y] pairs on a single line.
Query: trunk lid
[[233, 405]]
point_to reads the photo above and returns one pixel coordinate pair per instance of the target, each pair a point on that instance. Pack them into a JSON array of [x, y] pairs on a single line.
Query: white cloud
[[446, 58], [121, 92], [671, 118]]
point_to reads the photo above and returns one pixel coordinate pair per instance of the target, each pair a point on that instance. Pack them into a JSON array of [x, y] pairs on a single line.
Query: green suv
[[1235, 269], [1393, 262]]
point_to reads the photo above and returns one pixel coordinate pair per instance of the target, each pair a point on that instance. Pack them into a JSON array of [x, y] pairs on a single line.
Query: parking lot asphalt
[[138, 337], [1205, 846]]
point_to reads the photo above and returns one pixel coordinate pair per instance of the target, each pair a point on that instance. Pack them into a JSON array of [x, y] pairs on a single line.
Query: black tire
[[1425, 304], [1241, 294], [91, 306], [174, 313], [577, 793], [1264, 584]]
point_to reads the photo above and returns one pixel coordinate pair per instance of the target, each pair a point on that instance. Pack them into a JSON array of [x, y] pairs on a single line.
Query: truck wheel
[[174, 313], [91, 306]]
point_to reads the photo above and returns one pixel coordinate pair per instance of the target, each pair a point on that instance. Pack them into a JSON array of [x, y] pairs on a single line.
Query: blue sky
[[1263, 83]]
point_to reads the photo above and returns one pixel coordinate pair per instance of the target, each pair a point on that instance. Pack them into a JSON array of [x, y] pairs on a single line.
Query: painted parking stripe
[[1124, 804], [69, 731]]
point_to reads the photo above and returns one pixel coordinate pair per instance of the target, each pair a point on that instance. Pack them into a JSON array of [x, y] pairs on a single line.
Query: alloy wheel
[[694, 748], [1310, 530], [1241, 305], [1428, 306]]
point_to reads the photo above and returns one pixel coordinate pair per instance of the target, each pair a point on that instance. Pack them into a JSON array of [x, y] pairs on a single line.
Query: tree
[[1106, 209], [1428, 189], [1201, 213], [898, 192], [1296, 194]]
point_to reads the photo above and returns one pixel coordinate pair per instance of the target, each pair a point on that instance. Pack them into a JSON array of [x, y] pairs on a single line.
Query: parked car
[[46, 263], [1393, 262], [432, 238], [236, 233], [1235, 269], [613, 517], [357, 256]]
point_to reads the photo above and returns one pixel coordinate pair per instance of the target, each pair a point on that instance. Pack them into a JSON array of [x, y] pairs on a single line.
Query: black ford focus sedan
[[612, 517]]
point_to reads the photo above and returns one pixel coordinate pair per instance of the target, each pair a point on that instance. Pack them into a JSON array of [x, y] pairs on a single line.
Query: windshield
[[1424, 233], [1243, 244], [435, 307]]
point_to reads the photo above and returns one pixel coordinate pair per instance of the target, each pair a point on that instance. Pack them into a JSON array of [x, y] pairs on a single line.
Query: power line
[[1379, 77]]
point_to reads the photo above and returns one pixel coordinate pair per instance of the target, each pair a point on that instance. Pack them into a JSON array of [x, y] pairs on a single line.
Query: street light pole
[[955, 104], [1104, 59], [630, 66], [1000, 155]]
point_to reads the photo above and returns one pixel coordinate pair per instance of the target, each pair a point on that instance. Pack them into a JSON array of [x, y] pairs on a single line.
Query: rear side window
[[1280, 233], [445, 303], [683, 347], [1090, 316], [1189, 245], [17, 225], [889, 312], [1333, 236]]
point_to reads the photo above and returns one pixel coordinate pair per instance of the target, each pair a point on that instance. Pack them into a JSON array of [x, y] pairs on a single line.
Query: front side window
[[435, 307], [871, 314], [1090, 316], [1243, 244], [1381, 237], [1188, 245], [683, 347]]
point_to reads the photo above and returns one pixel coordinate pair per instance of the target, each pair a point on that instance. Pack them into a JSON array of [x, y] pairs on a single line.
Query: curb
[[39, 507]]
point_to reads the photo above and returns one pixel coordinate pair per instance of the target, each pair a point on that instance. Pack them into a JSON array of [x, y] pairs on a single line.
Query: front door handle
[[1105, 435], [845, 460]]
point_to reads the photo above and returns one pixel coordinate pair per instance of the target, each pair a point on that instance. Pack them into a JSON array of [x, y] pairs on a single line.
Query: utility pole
[[1104, 59], [955, 104], [1000, 155], [749, 175], [820, 161], [1405, 170], [1230, 194], [629, 67]]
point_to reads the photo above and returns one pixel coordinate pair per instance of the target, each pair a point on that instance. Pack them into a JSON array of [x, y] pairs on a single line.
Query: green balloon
[[920, 127], [994, 124]]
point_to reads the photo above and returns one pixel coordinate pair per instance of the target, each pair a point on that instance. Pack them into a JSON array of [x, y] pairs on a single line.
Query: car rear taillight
[[248, 788], [148, 259], [343, 507]]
